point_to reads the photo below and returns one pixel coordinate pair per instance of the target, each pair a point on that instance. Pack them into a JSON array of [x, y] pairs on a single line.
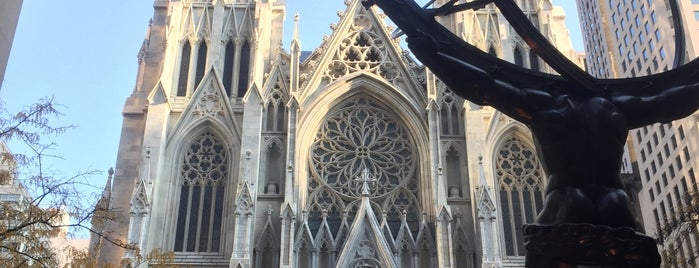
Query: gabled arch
[[272, 165], [455, 169], [518, 56], [451, 113], [361, 43], [325, 243], [544, 5], [276, 96], [238, 21], [424, 246], [207, 111], [197, 21], [303, 244], [209, 105], [269, 236], [405, 244], [276, 77], [500, 124], [272, 141], [140, 200], [463, 247], [157, 95], [409, 112], [519, 184], [200, 191]]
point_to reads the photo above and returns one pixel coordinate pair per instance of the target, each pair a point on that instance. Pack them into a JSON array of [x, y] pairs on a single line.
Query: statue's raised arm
[[670, 104], [448, 57], [580, 125]]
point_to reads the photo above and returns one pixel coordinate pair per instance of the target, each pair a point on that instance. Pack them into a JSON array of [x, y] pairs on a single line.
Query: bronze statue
[[579, 123]]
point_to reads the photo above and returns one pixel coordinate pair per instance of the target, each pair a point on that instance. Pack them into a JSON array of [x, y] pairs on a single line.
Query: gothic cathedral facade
[[237, 153]]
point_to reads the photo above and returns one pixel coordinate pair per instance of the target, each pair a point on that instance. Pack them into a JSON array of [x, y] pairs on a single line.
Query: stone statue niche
[[579, 123]]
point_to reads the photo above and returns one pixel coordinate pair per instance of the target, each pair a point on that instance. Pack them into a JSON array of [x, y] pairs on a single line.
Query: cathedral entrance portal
[[380, 224]]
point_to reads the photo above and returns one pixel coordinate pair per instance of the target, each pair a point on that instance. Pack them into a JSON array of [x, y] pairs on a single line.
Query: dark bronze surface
[[578, 122], [567, 244]]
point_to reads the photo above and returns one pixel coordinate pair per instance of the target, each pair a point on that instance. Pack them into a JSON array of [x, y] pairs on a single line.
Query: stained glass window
[[521, 190], [203, 175]]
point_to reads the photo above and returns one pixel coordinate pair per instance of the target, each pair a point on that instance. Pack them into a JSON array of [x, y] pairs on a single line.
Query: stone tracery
[[361, 135], [362, 50], [357, 136], [202, 179], [521, 183]]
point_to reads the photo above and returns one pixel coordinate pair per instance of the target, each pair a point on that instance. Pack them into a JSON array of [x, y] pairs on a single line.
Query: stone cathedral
[[236, 152]]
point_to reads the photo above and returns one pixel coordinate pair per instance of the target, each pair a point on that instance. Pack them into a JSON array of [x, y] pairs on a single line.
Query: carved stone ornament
[[362, 49], [360, 135], [209, 104]]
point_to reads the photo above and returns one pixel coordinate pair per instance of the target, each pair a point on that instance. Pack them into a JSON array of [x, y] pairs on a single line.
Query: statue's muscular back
[[581, 144]]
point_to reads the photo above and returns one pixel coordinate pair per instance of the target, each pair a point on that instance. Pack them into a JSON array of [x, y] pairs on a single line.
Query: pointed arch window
[[360, 134], [520, 179], [267, 248], [244, 73], [518, 58], [450, 117], [465, 255], [203, 175], [533, 61], [453, 173], [273, 173], [184, 69], [229, 57], [201, 63], [491, 51], [275, 112]]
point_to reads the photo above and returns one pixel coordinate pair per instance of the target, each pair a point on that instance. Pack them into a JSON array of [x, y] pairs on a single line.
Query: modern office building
[[9, 14], [236, 153], [631, 38]]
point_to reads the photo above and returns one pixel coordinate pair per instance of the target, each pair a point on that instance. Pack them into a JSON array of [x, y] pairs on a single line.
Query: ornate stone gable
[[140, 200], [197, 19], [157, 95], [276, 86], [244, 204], [366, 246], [361, 43], [238, 19], [209, 103], [361, 49]]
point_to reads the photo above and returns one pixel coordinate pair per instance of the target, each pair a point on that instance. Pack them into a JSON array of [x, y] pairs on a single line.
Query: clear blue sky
[[84, 54]]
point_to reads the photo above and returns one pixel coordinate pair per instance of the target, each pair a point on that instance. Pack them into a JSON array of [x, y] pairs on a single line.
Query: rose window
[[358, 136]]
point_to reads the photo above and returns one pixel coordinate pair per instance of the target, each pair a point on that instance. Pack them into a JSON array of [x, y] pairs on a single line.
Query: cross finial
[[365, 179]]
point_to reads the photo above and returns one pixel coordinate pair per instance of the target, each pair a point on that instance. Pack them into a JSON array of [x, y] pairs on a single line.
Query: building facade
[[636, 38], [237, 153], [24, 240], [9, 15]]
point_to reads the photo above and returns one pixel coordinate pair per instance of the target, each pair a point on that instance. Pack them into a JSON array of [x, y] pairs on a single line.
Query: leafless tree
[[40, 199], [679, 235]]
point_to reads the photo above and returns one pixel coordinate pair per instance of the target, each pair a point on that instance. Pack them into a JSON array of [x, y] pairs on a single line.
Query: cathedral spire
[[296, 28], [482, 183], [107, 192], [295, 56], [487, 220]]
